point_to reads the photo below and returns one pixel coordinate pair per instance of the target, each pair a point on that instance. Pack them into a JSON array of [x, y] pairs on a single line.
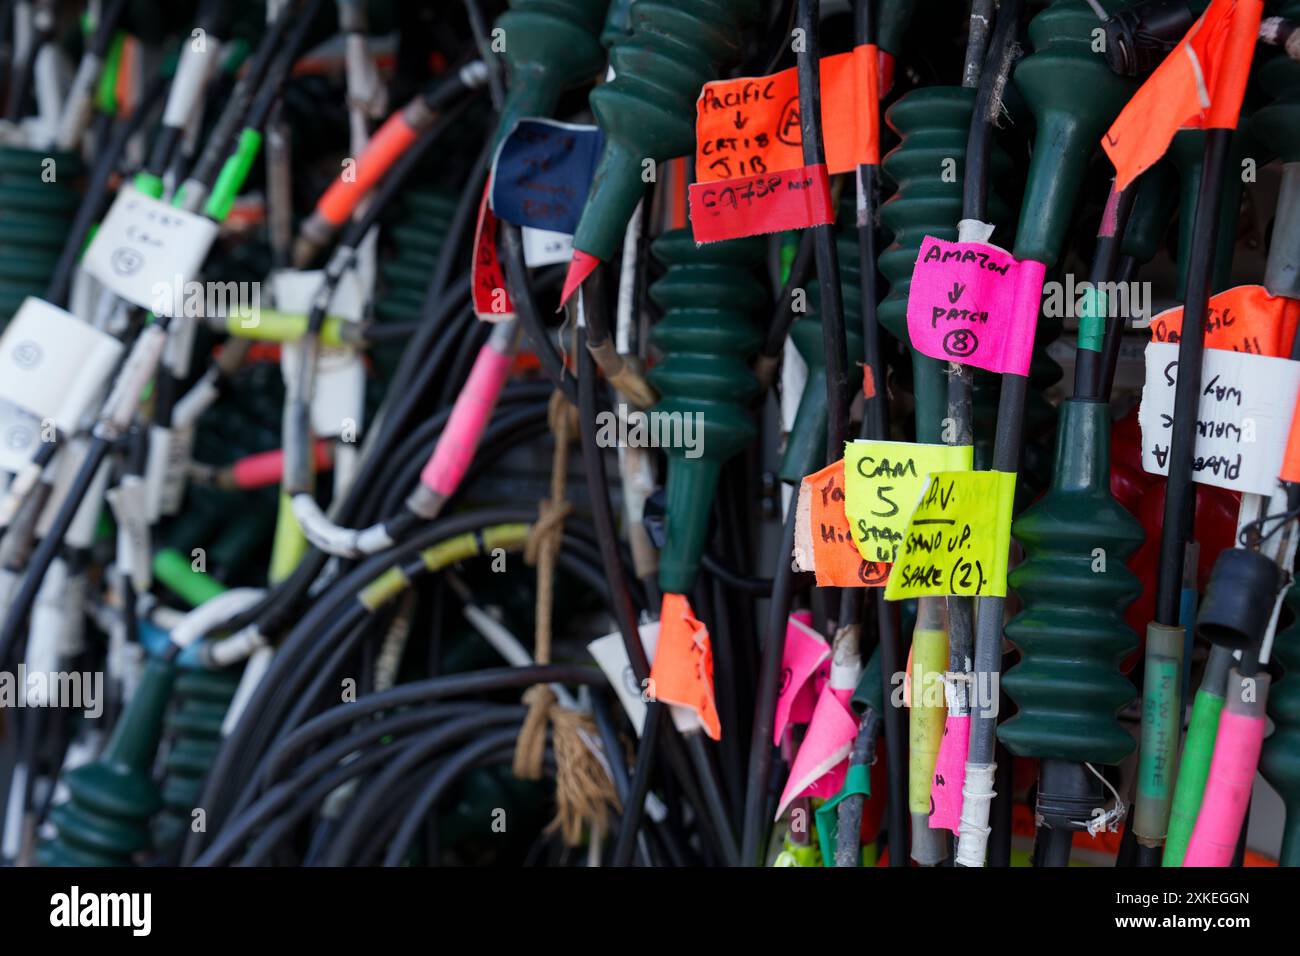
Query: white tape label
[[338, 404], [52, 364], [295, 289], [611, 656], [146, 249], [542, 247], [1242, 423]]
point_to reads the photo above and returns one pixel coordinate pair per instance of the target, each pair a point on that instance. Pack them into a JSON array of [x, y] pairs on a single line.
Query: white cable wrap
[[846, 662], [198, 622], [130, 509], [187, 86], [974, 230], [155, 470], [330, 538], [977, 795], [76, 112], [196, 401], [237, 647], [139, 367], [248, 684], [47, 623], [510, 648], [19, 489]]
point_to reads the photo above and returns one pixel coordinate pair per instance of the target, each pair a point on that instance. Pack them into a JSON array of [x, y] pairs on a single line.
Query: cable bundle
[[346, 345]]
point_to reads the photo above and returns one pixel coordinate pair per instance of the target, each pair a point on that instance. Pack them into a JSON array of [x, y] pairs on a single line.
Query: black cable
[[784, 314], [247, 741], [92, 201], [238, 103], [48, 549], [828, 267], [756, 821], [512, 255]]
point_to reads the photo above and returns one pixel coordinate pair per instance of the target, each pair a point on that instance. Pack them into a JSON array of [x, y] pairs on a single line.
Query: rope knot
[[547, 532], [531, 745]]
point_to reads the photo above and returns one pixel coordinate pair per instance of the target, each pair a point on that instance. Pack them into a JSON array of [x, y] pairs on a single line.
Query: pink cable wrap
[[950, 774], [455, 450], [1227, 790], [266, 468]]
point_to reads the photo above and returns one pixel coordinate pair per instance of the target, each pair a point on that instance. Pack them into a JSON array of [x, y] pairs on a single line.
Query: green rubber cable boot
[[1074, 97], [805, 446], [106, 821], [1071, 631], [647, 111], [1280, 760], [550, 45], [618, 22], [194, 728], [35, 214], [1187, 153], [708, 336], [1277, 125], [933, 124]]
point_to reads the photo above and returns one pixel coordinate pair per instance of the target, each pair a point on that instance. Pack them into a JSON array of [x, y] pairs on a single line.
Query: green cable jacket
[[707, 336], [550, 45], [647, 111]]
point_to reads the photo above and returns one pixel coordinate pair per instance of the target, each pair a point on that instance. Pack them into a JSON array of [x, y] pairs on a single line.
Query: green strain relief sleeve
[[176, 572], [233, 174], [1192, 774]]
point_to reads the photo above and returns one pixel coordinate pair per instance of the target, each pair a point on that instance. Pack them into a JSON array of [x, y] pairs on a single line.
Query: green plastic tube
[[1198, 749], [174, 570]]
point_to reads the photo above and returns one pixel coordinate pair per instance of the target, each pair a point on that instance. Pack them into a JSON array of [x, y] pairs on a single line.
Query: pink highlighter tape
[[267, 467], [1232, 773], [455, 450]]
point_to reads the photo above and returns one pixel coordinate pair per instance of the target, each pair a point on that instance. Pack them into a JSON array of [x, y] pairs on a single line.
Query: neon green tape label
[[957, 538], [926, 714], [883, 481]]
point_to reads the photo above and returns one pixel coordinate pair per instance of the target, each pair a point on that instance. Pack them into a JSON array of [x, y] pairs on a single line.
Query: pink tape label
[[1227, 790], [469, 416], [806, 657], [949, 775], [823, 759], [973, 303]]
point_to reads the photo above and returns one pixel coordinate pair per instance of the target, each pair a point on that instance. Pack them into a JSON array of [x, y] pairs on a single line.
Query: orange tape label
[[750, 125]]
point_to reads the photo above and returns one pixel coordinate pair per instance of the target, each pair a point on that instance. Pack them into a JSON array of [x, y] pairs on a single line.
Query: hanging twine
[[583, 790]]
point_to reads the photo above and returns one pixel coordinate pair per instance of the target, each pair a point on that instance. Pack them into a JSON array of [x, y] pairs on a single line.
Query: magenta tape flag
[[974, 303]]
